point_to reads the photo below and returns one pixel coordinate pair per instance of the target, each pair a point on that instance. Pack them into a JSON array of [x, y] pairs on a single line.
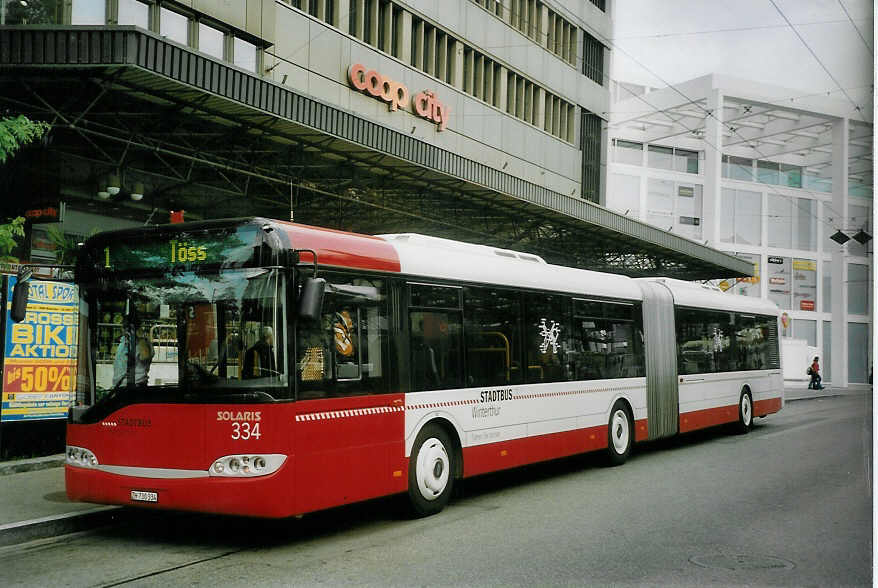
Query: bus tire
[[431, 471], [745, 412], [619, 434]]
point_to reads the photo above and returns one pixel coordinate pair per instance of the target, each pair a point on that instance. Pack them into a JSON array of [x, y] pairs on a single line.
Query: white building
[[769, 175]]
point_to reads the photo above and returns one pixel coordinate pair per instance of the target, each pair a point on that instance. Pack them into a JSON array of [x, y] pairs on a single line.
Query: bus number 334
[[245, 431]]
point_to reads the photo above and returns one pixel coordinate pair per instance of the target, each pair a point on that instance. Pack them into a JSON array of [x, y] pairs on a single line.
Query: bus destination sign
[[182, 251]]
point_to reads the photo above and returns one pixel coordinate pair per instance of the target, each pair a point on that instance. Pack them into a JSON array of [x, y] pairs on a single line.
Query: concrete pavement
[[34, 504]]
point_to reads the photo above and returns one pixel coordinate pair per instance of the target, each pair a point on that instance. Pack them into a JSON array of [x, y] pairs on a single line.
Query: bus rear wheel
[[619, 435], [745, 413], [431, 471]]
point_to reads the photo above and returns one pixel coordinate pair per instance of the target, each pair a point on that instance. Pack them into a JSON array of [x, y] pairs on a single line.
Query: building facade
[[775, 177]]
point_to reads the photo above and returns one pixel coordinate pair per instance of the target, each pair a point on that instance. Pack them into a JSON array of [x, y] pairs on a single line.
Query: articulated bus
[[264, 368]]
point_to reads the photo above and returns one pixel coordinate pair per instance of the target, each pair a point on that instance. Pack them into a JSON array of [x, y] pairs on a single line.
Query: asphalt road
[[789, 504]]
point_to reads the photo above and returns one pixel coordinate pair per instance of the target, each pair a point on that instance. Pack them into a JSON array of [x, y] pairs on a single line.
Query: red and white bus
[[217, 374]]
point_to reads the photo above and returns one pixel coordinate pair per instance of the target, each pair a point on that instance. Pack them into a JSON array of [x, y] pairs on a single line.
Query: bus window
[[547, 332], [190, 332], [435, 335], [705, 341], [343, 352], [607, 340], [492, 320]]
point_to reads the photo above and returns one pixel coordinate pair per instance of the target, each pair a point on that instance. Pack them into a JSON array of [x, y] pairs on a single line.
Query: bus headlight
[[80, 457], [246, 466]]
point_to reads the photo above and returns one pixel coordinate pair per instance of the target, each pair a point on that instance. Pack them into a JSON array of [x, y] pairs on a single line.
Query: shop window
[[805, 285], [779, 275]]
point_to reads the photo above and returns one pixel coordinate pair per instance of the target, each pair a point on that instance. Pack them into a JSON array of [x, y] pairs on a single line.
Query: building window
[[88, 12], [245, 54], [737, 168], [659, 157], [433, 52], [481, 76], [324, 10], [592, 58], [860, 218], [601, 4], [826, 360], [628, 152], [858, 353], [210, 40], [133, 12], [741, 217], [174, 26], [826, 303], [493, 6], [561, 38], [686, 161], [806, 330], [590, 142], [858, 288]]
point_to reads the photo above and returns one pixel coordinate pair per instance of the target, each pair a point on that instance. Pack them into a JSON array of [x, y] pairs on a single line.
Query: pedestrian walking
[[814, 372]]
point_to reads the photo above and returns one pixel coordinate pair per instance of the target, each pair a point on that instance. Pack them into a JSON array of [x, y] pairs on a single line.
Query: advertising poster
[[780, 287], [804, 284], [39, 366]]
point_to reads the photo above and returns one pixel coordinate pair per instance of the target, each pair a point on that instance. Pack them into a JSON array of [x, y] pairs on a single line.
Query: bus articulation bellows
[[264, 368]]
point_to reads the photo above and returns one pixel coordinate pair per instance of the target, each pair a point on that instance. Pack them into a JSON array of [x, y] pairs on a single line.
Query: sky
[[661, 42]]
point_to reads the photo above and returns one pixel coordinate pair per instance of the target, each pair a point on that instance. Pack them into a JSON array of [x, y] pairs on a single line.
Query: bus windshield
[[187, 336]]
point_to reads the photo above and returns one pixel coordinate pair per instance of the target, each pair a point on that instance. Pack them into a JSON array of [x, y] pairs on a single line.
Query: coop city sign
[[425, 104]]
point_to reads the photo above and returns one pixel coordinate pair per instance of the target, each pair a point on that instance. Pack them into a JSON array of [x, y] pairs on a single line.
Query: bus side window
[[344, 352], [435, 337], [492, 326]]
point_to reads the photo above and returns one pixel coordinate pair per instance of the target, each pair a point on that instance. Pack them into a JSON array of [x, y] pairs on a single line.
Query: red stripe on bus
[[482, 459], [764, 407], [337, 248], [710, 417]]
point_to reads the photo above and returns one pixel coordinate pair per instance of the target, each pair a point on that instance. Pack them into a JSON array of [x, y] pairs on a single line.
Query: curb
[[31, 465], [53, 526]]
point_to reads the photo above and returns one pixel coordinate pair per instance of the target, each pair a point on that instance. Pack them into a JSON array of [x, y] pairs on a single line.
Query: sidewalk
[[35, 506]]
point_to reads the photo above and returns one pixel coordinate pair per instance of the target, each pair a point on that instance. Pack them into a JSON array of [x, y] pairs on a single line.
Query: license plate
[[141, 496]]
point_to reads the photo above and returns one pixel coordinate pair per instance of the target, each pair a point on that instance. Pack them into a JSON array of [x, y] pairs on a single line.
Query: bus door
[[349, 430], [662, 394]]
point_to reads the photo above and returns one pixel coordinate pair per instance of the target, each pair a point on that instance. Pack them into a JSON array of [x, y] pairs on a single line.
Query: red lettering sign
[[806, 305], [396, 95]]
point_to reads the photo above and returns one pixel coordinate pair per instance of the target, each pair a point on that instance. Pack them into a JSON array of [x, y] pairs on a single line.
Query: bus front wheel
[[431, 471]]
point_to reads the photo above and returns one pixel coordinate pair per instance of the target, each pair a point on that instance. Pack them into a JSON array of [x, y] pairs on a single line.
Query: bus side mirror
[[311, 298], [20, 293]]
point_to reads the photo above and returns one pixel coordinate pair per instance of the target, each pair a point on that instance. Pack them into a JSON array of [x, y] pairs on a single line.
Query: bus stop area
[[35, 505]]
